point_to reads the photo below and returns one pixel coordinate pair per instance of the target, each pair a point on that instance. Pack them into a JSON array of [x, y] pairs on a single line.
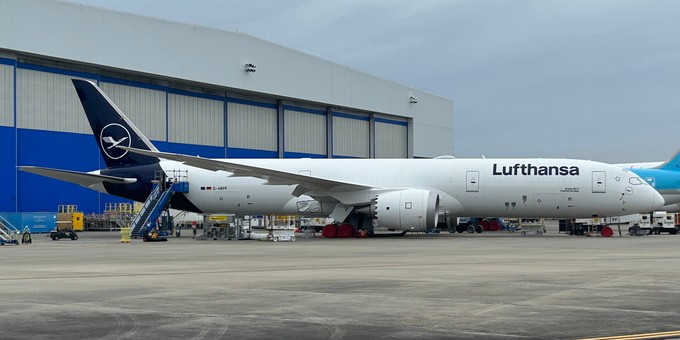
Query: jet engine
[[408, 209]]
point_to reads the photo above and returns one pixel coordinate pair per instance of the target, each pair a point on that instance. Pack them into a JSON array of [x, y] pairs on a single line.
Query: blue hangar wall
[[42, 124]]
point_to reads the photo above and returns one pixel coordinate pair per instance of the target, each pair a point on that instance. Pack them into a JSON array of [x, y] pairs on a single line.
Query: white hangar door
[[304, 131], [391, 138], [146, 107], [351, 135], [48, 101], [6, 95], [252, 126], [194, 120]]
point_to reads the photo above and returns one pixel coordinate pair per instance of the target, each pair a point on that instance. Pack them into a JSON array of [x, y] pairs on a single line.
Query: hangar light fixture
[[250, 67], [413, 99]]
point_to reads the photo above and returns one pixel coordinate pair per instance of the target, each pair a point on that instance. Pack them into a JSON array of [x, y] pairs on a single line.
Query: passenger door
[[472, 181], [599, 182]]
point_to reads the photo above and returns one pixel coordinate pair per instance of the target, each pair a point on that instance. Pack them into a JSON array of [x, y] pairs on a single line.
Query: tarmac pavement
[[494, 285]]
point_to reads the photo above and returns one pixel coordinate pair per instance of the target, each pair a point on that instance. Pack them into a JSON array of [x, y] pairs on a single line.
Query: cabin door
[[472, 181], [599, 181]]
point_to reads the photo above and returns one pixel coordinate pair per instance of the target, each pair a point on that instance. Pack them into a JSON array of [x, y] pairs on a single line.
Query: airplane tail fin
[[672, 163], [112, 128]]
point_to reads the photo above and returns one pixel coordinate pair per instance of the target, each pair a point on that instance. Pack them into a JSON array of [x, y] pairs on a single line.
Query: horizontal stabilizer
[[81, 178], [672, 163]]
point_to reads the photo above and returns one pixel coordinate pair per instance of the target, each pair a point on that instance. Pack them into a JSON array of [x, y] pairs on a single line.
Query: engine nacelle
[[408, 209]]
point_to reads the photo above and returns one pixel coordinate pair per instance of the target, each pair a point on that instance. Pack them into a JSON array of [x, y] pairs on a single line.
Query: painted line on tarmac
[[643, 336]]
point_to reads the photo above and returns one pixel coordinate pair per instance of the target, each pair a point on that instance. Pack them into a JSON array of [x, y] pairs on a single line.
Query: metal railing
[[152, 197], [8, 232]]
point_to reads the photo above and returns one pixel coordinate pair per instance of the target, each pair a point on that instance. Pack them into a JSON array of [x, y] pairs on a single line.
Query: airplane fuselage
[[466, 187]]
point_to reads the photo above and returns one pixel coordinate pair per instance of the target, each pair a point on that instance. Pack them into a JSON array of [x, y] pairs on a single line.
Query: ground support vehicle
[[63, 232]]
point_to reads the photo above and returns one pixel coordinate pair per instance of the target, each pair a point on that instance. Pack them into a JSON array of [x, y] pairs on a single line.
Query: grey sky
[[580, 79]]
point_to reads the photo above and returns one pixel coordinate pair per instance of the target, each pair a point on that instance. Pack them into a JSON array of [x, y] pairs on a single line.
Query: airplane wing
[[81, 178], [305, 183]]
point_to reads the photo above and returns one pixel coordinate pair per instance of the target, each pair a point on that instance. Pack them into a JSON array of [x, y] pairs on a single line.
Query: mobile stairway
[[8, 233], [157, 202]]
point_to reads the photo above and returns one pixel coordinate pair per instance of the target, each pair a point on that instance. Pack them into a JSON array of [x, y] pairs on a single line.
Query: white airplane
[[397, 194]]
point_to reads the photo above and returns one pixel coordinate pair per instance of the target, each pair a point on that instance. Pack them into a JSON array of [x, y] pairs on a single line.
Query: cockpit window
[[635, 181]]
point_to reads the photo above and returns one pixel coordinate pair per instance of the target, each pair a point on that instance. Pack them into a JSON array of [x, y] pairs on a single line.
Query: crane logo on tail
[[112, 136]]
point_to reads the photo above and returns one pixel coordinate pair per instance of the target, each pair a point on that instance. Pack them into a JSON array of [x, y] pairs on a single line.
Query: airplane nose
[[657, 200]]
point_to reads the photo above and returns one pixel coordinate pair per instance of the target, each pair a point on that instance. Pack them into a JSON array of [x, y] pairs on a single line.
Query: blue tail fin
[[112, 128], [672, 163]]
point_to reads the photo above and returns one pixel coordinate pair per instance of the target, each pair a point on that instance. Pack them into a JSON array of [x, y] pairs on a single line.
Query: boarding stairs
[[156, 203], [8, 233]]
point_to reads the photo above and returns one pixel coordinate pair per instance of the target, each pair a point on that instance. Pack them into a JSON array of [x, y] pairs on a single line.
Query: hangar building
[[189, 89]]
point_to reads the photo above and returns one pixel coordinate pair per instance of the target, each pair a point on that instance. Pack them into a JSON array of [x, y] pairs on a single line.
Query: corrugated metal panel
[[145, 107], [48, 101], [304, 132], [6, 95], [390, 118], [251, 127], [195, 120], [391, 140], [350, 137]]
